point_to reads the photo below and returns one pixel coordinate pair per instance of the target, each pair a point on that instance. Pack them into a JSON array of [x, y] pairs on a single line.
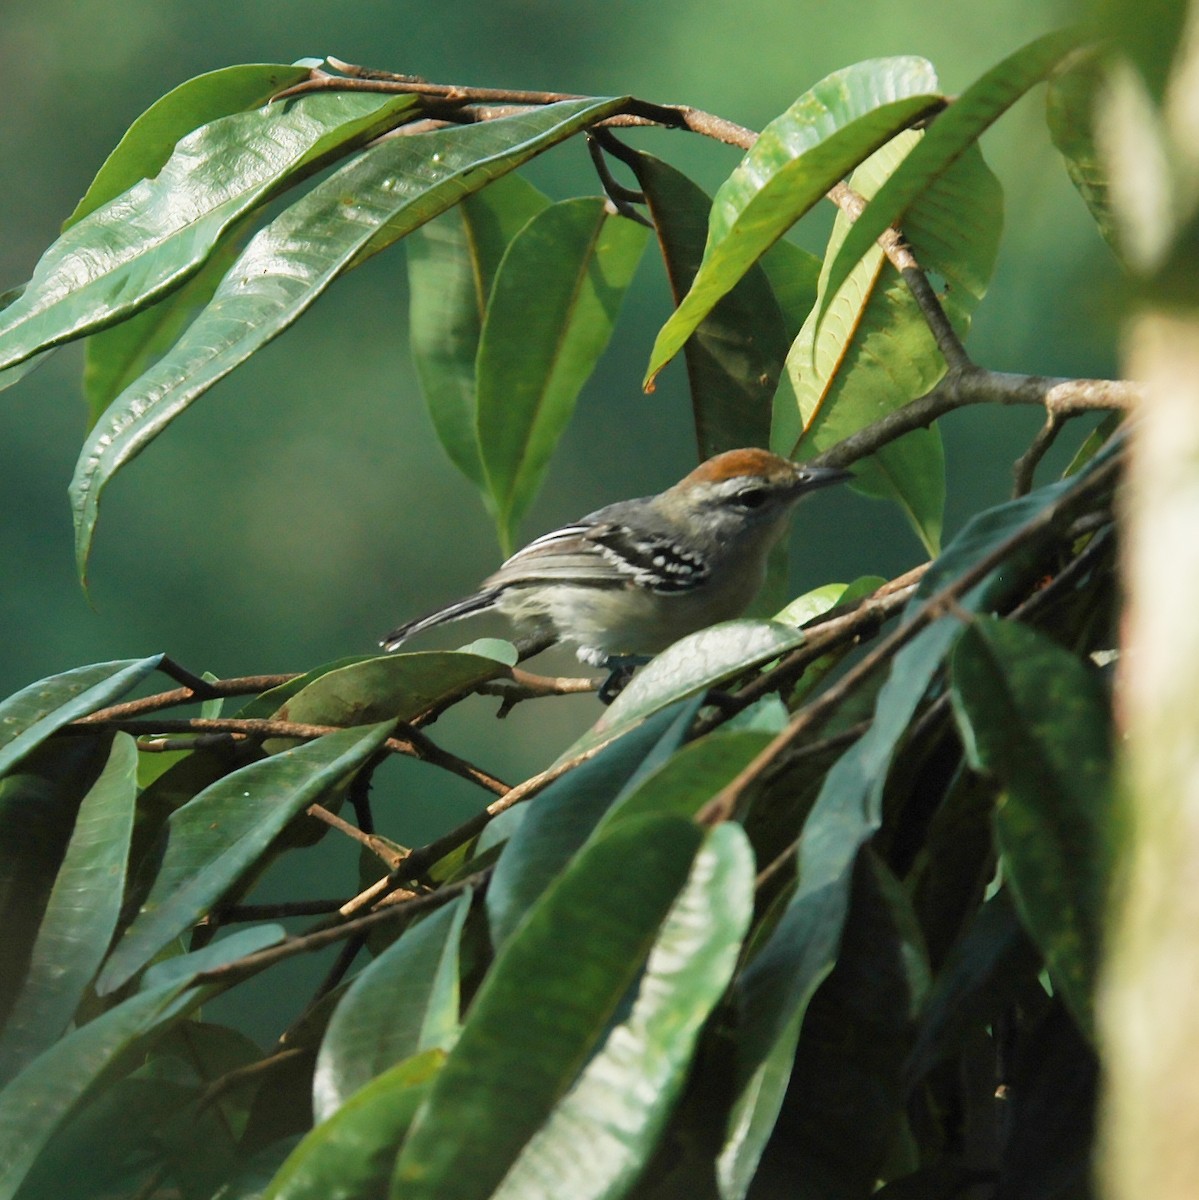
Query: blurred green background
[[302, 508]]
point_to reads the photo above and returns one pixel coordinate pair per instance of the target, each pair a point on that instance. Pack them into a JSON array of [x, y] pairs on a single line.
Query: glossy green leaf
[[738, 349], [81, 913], [550, 314], [824, 599], [598, 1138], [217, 838], [148, 240], [452, 263], [405, 1002], [114, 357], [507, 1071], [146, 145], [874, 351], [371, 202], [390, 687], [954, 132], [693, 664], [560, 820], [1071, 117], [31, 715], [1034, 715], [36, 1103], [350, 1155], [797, 158], [226, 949]]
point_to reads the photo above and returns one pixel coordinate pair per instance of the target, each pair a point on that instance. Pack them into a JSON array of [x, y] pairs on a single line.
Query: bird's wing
[[602, 554]]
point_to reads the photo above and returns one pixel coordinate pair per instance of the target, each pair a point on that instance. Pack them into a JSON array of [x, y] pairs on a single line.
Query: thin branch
[[244, 685], [976, 386], [376, 845], [725, 803], [1026, 465]]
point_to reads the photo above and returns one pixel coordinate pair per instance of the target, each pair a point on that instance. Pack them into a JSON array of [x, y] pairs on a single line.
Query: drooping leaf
[[36, 1103], [598, 1138], [373, 201], [692, 665], [1032, 714], [404, 1003], [549, 316], [350, 1154], [1070, 115], [874, 352], [953, 133], [81, 913], [561, 819], [226, 949], [31, 715], [797, 158], [737, 351], [148, 240], [507, 1071], [146, 145], [219, 836], [452, 263]]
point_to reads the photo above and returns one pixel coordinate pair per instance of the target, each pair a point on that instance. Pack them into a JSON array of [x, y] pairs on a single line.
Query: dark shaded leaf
[[513, 1062], [561, 819], [1032, 714], [351, 1154], [81, 913], [405, 1002], [737, 351], [217, 838], [550, 314], [598, 1138]]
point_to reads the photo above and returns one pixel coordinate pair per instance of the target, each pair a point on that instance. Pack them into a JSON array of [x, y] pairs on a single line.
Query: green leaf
[[598, 1138], [797, 158], [954, 132], [31, 715], [824, 599], [738, 350], [116, 356], [875, 351], [39, 800], [507, 1071], [405, 1002], [560, 820], [549, 316], [1071, 117], [1032, 714], [351, 1154], [147, 144], [389, 687], [371, 202], [218, 837], [452, 263], [151, 238], [692, 665], [81, 914], [36, 1103], [226, 949], [794, 275]]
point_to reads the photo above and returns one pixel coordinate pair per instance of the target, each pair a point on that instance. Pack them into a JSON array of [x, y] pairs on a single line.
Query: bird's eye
[[751, 497]]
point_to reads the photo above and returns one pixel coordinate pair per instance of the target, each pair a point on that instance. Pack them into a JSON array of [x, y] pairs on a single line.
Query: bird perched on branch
[[631, 578]]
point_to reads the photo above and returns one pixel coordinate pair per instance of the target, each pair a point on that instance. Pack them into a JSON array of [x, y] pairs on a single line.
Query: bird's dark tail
[[468, 606]]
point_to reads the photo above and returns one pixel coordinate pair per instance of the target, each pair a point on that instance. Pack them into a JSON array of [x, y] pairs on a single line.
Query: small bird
[[631, 578]]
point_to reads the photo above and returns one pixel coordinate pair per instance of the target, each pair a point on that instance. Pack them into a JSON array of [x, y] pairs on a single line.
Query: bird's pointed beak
[[808, 479]]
